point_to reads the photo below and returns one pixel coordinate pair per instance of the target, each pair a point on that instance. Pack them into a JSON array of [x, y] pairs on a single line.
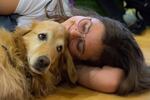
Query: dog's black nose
[[42, 62]]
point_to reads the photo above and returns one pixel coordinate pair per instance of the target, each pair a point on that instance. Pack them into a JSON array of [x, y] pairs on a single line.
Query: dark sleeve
[[8, 22]]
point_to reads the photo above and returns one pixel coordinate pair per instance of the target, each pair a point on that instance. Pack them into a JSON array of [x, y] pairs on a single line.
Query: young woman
[[107, 56]]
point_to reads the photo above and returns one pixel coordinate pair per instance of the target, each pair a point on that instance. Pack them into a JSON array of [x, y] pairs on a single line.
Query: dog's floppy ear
[[26, 29], [70, 67]]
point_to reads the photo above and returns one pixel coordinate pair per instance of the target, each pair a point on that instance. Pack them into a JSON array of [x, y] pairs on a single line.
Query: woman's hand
[[106, 79]]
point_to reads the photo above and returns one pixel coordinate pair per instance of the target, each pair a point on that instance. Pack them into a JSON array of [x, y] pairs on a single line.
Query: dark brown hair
[[121, 50]]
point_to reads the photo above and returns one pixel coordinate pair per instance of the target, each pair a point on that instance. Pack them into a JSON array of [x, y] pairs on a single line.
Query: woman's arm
[[8, 6], [106, 79]]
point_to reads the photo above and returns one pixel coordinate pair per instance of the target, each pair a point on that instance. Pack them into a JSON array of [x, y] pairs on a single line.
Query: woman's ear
[[70, 67]]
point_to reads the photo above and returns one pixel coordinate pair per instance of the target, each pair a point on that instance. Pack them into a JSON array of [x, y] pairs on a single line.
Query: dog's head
[[45, 42]]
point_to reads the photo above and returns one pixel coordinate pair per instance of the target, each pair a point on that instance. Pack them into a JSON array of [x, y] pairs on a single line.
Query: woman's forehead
[[82, 17]]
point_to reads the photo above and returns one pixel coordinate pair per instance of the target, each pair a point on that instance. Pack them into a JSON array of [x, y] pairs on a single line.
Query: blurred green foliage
[[92, 4]]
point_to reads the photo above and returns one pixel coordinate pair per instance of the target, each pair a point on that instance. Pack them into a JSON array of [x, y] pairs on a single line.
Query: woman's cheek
[[72, 49]]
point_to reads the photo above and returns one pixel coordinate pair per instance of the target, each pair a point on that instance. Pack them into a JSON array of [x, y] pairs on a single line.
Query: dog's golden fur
[[20, 79]]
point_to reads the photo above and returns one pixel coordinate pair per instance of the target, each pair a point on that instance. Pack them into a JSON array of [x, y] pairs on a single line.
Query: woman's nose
[[74, 33]]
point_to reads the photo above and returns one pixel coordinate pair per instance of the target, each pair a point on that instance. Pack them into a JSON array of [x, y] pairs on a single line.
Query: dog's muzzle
[[41, 63]]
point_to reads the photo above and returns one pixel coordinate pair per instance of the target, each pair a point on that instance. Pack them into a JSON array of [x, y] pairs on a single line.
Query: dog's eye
[[42, 36], [59, 48]]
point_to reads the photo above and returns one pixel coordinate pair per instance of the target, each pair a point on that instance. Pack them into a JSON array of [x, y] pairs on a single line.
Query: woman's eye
[[84, 26], [80, 46], [42, 36], [59, 48]]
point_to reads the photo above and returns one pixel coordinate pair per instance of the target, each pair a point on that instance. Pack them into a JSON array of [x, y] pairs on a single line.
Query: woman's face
[[85, 37]]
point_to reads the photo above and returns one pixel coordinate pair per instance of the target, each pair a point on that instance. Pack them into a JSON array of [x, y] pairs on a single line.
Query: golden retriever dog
[[33, 61]]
